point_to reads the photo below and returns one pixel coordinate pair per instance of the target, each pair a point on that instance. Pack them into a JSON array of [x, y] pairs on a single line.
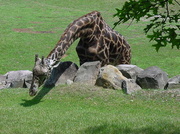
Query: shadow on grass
[[115, 129], [62, 68], [37, 99]]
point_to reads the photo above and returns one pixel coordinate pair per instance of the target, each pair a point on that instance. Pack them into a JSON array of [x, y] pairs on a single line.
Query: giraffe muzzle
[[32, 92]]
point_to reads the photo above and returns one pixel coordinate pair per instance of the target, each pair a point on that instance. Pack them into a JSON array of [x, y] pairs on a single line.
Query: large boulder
[[110, 77], [129, 71], [64, 72], [19, 79], [87, 73], [152, 78], [173, 83]]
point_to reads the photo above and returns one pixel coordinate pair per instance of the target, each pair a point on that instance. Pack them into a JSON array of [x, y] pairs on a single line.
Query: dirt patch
[[36, 22], [29, 30], [23, 30]]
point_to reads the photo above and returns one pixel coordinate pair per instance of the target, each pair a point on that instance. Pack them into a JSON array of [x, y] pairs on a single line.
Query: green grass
[[79, 108], [88, 110], [17, 49]]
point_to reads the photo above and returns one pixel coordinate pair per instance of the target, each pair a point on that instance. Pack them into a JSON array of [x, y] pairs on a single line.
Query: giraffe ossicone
[[98, 42]]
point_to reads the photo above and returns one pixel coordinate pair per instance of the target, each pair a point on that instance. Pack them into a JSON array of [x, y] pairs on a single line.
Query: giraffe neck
[[83, 26]]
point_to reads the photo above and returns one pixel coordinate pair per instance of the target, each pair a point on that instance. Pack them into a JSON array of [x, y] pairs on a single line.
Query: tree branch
[[177, 2], [131, 22], [167, 9]]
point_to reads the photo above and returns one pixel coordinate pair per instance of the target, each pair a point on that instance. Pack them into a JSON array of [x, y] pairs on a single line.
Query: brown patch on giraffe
[[29, 30]]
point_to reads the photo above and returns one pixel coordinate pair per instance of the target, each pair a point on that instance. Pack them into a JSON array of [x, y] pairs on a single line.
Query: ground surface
[[30, 27]]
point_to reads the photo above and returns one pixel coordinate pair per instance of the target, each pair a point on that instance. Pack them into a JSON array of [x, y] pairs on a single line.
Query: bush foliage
[[163, 15]]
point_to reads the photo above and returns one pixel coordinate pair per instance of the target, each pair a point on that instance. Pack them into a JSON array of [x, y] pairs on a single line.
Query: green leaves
[[163, 28]]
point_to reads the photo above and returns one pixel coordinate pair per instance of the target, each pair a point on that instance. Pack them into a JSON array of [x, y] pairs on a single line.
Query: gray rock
[[129, 86], [16, 83], [2, 78], [19, 79], [173, 83], [69, 82], [28, 80], [152, 78], [3, 83], [60, 74], [129, 71], [110, 77], [87, 73]]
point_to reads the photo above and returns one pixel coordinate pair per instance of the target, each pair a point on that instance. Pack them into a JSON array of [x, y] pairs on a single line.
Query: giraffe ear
[[36, 57], [42, 61]]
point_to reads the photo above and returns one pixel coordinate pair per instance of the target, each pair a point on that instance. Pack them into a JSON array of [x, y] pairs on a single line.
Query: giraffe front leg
[[81, 52]]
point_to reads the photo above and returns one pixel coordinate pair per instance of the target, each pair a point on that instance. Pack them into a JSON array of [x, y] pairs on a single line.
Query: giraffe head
[[41, 71]]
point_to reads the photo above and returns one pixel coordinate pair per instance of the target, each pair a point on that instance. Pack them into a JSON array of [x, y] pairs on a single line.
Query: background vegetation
[[30, 27], [163, 16]]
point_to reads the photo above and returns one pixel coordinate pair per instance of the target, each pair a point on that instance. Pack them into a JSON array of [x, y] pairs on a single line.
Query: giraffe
[[98, 42]]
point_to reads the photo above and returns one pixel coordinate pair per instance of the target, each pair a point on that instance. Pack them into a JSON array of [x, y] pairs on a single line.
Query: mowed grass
[[30, 27], [86, 109], [34, 26]]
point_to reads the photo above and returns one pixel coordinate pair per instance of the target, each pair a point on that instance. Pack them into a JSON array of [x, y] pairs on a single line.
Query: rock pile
[[16, 79], [128, 78]]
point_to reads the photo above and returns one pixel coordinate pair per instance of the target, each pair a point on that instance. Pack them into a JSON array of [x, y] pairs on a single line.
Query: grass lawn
[[30, 27], [34, 26], [88, 110]]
